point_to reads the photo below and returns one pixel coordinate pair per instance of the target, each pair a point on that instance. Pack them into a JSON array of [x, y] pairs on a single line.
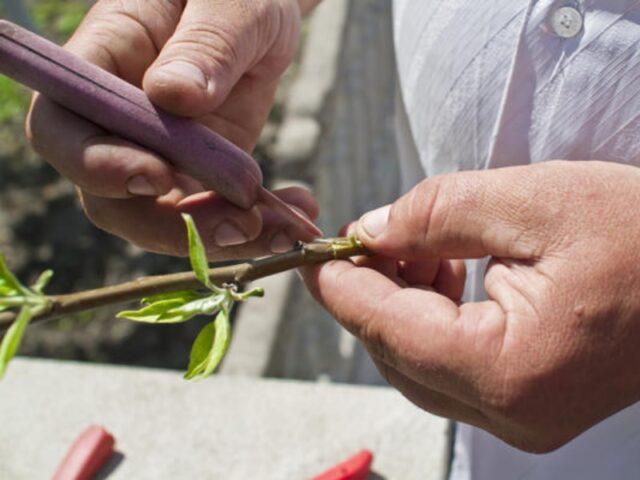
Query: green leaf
[[185, 295], [13, 338], [12, 293], [200, 350], [209, 347], [8, 281], [197, 253], [14, 100], [43, 281], [157, 312], [256, 292], [175, 308], [13, 301], [202, 306]]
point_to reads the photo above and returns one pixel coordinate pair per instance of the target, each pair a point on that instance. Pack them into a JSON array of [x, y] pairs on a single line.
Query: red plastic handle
[[357, 467], [87, 455]]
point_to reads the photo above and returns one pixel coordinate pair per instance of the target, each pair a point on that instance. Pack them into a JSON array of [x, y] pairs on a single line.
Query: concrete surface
[[221, 428]]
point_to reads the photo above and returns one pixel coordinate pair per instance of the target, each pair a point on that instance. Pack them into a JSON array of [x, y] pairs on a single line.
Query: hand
[[218, 61], [556, 347]]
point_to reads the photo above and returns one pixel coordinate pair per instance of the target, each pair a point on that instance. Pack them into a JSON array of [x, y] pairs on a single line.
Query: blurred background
[[331, 128]]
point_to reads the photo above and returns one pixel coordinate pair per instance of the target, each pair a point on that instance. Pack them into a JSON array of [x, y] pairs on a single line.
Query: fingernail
[[281, 243], [185, 70], [374, 223], [227, 235], [139, 185]]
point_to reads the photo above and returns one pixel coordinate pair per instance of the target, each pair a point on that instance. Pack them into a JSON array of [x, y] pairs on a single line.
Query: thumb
[[462, 215], [216, 42]]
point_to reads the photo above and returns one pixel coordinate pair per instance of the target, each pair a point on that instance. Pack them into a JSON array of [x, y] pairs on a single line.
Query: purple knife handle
[[121, 108]]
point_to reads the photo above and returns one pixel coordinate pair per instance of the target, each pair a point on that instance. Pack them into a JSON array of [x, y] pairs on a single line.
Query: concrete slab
[[222, 428]]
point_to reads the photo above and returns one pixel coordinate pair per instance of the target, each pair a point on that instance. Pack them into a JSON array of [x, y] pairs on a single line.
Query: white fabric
[[490, 84]]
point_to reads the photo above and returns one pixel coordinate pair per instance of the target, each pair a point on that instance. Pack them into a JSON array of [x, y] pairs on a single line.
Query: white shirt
[[486, 84]]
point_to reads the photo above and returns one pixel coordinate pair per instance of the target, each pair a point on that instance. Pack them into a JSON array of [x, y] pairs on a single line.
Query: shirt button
[[567, 22]]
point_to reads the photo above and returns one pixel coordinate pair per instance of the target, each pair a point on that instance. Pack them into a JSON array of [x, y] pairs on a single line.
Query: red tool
[[121, 108], [87, 455], [357, 467]]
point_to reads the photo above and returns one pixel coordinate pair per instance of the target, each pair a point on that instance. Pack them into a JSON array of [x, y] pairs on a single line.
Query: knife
[[121, 108]]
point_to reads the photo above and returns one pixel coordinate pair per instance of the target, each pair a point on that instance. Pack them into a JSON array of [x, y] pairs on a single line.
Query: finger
[[98, 163], [451, 278], [429, 400], [463, 215], [301, 198], [420, 333], [155, 224], [445, 276], [122, 38], [215, 44], [420, 272], [386, 266], [125, 37]]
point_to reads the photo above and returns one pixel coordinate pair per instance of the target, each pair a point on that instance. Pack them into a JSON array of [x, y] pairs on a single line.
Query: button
[[567, 22]]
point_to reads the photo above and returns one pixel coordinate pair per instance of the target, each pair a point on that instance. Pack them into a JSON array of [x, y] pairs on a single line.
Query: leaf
[[200, 350], [12, 292], [13, 301], [13, 338], [197, 253], [202, 306], [9, 281], [43, 281], [255, 292], [179, 309], [210, 347], [157, 312], [186, 295]]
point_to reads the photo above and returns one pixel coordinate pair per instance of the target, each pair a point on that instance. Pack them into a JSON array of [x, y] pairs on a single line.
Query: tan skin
[[554, 349]]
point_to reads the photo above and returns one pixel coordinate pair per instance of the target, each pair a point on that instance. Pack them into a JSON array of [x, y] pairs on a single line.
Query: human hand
[[218, 61], [555, 348]]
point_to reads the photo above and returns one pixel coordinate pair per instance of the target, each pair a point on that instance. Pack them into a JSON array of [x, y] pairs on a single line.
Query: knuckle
[[418, 214], [218, 44]]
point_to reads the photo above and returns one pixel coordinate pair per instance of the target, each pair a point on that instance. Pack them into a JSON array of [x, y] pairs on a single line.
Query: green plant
[[59, 17], [174, 298], [13, 99]]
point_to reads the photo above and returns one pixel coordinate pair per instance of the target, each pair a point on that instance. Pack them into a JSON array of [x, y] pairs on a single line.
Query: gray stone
[[297, 140], [318, 69], [221, 428]]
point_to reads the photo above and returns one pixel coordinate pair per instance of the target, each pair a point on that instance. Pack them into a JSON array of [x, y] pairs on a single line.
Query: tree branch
[[307, 254]]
